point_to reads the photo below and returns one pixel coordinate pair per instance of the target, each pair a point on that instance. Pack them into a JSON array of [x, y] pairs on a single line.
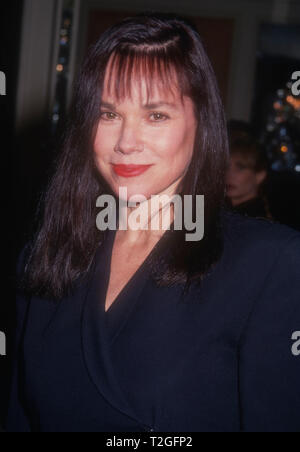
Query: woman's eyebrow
[[148, 106], [107, 105], [155, 105]]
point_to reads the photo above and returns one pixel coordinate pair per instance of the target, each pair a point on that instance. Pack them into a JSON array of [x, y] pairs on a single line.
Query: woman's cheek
[[169, 143], [249, 178]]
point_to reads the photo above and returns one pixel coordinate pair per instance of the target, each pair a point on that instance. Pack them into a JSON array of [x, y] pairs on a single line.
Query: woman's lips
[[130, 170]]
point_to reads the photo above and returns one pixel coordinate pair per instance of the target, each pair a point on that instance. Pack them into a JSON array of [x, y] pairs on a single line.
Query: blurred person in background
[[246, 178]]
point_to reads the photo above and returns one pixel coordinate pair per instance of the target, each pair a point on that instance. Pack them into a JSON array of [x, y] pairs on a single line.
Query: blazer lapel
[[95, 337]]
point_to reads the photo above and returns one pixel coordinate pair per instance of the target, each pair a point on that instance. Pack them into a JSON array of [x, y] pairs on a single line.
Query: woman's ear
[[260, 176]]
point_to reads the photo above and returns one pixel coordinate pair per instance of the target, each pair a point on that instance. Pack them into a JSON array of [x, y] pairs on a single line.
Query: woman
[[246, 179], [138, 329]]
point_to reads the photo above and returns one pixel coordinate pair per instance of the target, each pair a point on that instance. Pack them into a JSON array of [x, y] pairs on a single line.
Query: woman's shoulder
[[260, 233], [264, 257], [259, 247]]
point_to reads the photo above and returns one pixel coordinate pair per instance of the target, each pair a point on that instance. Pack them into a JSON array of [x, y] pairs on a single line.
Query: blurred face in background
[[156, 131], [242, 180]]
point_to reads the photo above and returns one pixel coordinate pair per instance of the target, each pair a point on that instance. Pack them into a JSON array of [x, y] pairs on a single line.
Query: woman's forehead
[[141, 80], [240, 157]]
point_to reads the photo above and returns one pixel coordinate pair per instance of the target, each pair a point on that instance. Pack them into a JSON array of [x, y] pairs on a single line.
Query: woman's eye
[[107, 115], [158, 117]]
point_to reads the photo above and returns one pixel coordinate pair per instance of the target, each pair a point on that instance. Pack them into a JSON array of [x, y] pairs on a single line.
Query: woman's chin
[[126, 194]]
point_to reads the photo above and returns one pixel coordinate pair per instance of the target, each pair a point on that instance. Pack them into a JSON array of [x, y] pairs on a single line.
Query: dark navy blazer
[[218, 359]]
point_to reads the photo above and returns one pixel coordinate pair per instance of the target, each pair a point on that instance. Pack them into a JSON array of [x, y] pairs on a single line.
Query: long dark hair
[[65, 245]]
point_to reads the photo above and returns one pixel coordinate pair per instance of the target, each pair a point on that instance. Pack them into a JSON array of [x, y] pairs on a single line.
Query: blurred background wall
[[254, 46]]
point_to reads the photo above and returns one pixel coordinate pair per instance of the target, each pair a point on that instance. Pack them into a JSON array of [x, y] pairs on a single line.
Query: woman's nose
[[129, 140]]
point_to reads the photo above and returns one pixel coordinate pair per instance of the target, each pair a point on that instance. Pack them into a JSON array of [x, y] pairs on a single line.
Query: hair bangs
[[150, 68]]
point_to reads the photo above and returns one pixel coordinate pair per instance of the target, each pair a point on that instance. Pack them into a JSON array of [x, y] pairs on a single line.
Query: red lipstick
[[130, 170]]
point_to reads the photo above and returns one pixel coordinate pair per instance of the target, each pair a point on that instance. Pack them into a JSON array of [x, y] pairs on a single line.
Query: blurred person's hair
[[67, 240], [252, 153], [239, 130]]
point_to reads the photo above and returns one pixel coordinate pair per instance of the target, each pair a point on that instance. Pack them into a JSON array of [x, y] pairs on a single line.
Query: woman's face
[[242, 182], [159, 132]]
